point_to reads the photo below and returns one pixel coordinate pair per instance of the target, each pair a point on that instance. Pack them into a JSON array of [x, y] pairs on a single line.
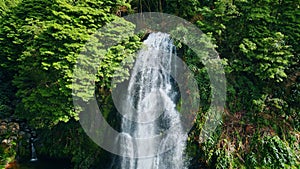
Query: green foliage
[[7, 154], [49, 39], [257, 39], [254, 42], [68, 141], [6, 98], [9, 139], [271, 152], [38, 54], [6, 6], [183, 8]]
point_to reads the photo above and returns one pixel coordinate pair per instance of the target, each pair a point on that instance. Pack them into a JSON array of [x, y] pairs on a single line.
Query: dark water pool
[[46, 164]]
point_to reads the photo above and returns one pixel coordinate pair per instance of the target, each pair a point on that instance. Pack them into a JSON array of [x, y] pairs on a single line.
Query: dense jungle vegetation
[[257, 40]]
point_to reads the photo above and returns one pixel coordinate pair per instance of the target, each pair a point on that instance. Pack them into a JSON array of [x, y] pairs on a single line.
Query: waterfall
[[152, 136], [33, 152]]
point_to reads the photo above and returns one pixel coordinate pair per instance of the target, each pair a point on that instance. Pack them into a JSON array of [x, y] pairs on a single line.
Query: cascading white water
[[151, 112], [33, 153]]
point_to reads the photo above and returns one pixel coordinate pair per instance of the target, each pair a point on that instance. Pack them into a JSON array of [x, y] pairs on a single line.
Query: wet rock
[[27, 130], [22, 133], [13, 127], [15, 135], [3, 128], [5, 141]]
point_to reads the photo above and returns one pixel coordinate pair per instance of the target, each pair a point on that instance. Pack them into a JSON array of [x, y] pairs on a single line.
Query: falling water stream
[[151, 110], [33, 153]]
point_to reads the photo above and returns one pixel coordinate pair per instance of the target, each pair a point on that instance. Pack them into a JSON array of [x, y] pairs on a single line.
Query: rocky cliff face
[[15, 139]]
